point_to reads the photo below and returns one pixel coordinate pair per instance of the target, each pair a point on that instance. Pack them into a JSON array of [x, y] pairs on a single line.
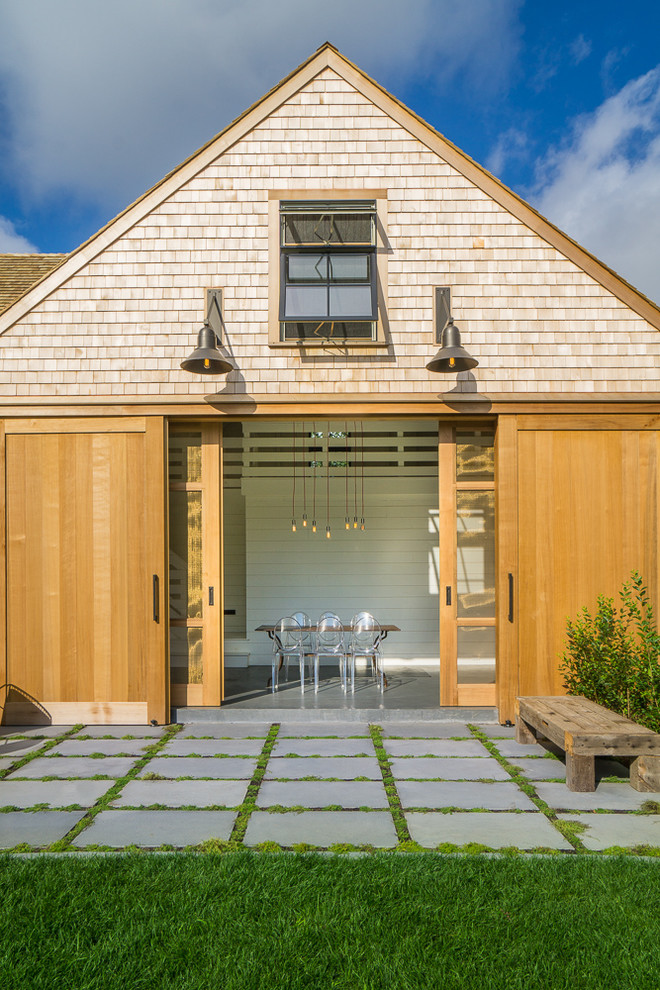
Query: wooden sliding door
[[86, 581], [196, 577], [467, 566]]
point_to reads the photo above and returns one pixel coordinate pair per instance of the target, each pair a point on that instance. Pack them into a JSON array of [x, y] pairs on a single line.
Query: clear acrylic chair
[[330, 643], [309, 644], [365, 642], [287, 643]]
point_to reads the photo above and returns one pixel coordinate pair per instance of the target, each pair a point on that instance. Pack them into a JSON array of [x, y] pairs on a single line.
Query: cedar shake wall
[[534, 320]]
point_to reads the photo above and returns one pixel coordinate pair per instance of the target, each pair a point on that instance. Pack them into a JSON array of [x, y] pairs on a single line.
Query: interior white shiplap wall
[[390, 569]]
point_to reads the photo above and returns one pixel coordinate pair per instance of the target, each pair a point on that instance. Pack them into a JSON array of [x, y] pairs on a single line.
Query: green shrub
[[613, 656]]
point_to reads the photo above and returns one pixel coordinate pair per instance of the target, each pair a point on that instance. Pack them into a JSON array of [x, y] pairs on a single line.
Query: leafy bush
[[613, 656]]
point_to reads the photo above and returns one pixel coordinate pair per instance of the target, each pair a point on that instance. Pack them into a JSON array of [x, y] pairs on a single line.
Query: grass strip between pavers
[[393, 799], [250, 800], [104, 801], [570, 830]]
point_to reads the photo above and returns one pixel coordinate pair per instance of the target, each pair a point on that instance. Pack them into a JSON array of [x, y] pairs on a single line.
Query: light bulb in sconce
[[452, 362], [293, 525], [207, 363], [313, 525], [304, 520], [327, 532]]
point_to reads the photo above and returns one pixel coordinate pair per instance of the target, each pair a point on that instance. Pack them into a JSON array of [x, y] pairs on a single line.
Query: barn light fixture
[[451, 356], [206, 359]]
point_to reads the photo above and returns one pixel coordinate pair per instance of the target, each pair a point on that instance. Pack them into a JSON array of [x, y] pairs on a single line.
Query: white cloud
[[580, 49], [103, 99], [13, 243], [602, 186], [511, 145]]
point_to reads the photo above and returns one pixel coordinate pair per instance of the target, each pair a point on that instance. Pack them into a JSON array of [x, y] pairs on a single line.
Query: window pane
[[307, 267], [350, 300], [185, 555], [186, 655], [306, 301], [475, 456], [475, 537], [349, 267], [317, 330], [476, 654], [328, 228], [185, 456]]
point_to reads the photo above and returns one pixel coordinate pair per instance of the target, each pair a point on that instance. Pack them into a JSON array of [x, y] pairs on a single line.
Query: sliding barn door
[[86, 578]]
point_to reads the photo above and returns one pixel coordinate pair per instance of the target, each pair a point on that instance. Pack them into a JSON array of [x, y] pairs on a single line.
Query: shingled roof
[[19, 272]]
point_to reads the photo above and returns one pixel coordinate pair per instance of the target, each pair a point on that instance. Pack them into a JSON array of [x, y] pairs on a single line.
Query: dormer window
[[328, 271]]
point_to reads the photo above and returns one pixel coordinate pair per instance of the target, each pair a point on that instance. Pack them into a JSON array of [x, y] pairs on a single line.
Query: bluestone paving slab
[[341, 767], [502, 796], [609, 797], [497, 830], [322, 828], [449, 768], [509, 747], [156, 828], [617, 830], [539, 769], [7, 763], [321, 793], [230, 768], [35, 731], [225, 730], [16, 749], [212, 747], [109, 747], [435, 747], [341, 729], [324, 747], [177, 793], [74, 766], [57, 793], [36, 828], [426, 730], [496, 731], [118, 731]]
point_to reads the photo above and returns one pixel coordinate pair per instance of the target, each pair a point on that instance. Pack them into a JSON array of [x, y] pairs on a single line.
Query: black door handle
[[211, 595], [448, 595], [510, 598], [156, 598]]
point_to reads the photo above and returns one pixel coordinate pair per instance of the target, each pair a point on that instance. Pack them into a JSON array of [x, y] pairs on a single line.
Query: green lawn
[[251, 921]]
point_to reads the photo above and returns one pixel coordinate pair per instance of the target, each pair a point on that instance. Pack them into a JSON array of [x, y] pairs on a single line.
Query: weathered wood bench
[[586, 730]]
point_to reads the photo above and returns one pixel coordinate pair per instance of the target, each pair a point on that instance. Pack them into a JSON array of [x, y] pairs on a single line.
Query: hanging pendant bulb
[[304, 520], [313, 525], [348, 523], [362, 524], [293, 525], [327, 531]]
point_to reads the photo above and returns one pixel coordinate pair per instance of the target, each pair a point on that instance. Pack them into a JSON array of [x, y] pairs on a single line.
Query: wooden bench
[[586, 730]]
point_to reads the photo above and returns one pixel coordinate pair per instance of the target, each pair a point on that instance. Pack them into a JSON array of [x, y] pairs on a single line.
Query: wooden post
[[580, 772], [525, 734], [645, 773]]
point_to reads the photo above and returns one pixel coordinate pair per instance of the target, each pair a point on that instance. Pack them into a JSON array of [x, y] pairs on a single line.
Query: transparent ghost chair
[[287, 643], [366, 635], [330, 643], [308, 639]]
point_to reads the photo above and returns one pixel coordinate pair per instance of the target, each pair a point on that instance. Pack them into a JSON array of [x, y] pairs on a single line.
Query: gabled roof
[[327, 56], [19, 272]]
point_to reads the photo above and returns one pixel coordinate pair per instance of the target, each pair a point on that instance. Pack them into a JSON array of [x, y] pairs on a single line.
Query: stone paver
[[526, 831], [56, 793], [212, 747], [610, 797], [117, 731], [35, 731], [451, 768], [322, 828], [16, 749], [322, 793], [435, 747], [6, 764], [231, 768], [74, 766], [38, 828], [343, 768], [540, 769], [225, 730], [426, 730], [109, 747], [341, 729], [324, 747], [509, 747], [156, 828], [503, 796], [618, 830], [497, 731], [175, 793]]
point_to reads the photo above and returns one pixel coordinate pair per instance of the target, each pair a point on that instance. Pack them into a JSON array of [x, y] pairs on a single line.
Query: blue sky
[[561, 101]]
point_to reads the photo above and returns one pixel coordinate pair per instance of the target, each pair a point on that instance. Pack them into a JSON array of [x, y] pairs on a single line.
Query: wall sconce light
[[452, 356], [206, 359]]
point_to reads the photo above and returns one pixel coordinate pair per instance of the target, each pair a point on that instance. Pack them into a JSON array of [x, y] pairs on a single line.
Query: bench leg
[[580, 772], [645, 773], [524, 733]]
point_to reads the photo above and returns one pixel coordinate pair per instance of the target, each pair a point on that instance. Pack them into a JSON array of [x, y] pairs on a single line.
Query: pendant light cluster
[[304, 457]]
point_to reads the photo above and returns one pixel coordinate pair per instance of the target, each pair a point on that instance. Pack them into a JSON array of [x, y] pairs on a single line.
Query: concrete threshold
[[229, 713]]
